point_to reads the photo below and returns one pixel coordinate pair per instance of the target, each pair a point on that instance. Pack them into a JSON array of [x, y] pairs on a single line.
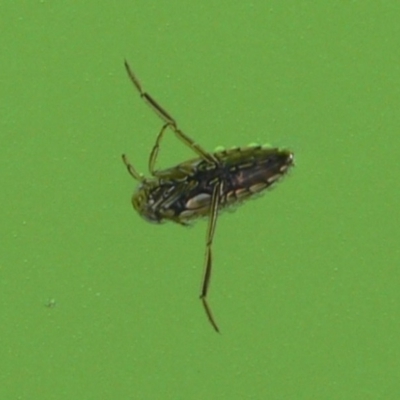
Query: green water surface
[[96, 303]]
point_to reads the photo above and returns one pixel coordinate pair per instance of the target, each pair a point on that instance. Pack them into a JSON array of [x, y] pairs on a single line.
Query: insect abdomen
[[255, 172]]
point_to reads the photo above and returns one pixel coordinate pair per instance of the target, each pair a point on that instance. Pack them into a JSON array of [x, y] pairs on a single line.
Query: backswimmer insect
[[204, 185]]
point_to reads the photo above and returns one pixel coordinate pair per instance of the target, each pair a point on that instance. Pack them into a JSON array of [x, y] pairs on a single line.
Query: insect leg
[[148, 99], [185, 139], [169, 122], [208, 258], [131, 169]]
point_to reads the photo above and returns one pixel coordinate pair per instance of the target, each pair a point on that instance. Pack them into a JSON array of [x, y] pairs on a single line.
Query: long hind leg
[[169, 122], [212, 220]]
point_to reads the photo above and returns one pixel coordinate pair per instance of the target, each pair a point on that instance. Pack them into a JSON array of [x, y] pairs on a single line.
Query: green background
[[95, 303]]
